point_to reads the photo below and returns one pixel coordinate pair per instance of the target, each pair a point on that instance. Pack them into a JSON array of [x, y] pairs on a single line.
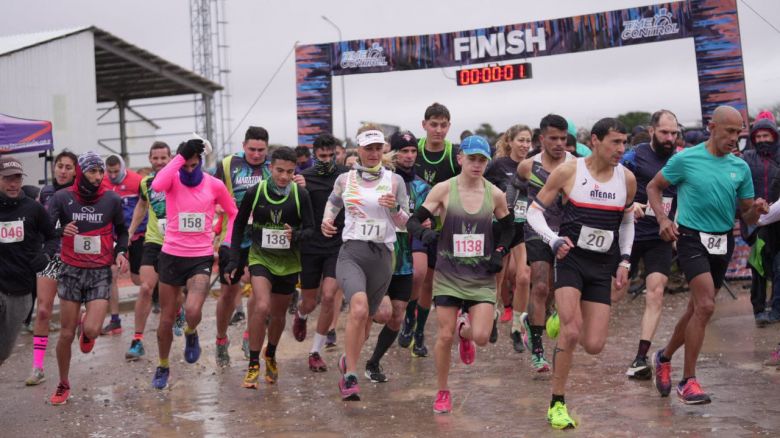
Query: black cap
[[402, 139]]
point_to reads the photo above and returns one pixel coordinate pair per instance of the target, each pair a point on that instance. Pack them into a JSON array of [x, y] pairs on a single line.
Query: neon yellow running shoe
[[252, 374], [271, 369], [553, 326], [558, 417]]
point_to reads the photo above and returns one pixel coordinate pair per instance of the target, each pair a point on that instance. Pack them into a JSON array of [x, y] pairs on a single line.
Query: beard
[[662, 149]]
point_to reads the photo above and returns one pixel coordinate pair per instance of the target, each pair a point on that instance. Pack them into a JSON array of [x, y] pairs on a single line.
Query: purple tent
[[24, 135]]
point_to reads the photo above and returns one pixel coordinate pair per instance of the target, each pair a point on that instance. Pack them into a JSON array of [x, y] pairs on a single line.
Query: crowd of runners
[[537, 230]]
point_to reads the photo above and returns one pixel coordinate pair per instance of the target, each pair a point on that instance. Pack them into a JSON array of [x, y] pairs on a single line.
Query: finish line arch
[[713, 25]]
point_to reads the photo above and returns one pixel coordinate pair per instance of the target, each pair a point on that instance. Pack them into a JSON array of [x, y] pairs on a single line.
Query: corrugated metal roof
[[14, 43], [122, 70]]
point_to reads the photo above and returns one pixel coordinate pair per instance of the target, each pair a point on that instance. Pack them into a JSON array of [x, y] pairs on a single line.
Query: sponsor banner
[[514, 41], [23, 135]]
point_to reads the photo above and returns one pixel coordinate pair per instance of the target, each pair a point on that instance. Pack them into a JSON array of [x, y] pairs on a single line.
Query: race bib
[[716, 244], [595, 240], [468, 245], [666, 201], [162, 224], [521, 207], [370, 229], [11, 232], [86, 244], [192, 222], [275, 239]]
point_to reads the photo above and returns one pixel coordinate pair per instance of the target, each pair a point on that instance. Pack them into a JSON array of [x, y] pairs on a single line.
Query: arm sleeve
[[307, 219], [120, 229], [228, 204], [402, 199], [242, 218], [335, 201], [626, 232], [163, 181], [506, 232], [537, 221], [414, 224]]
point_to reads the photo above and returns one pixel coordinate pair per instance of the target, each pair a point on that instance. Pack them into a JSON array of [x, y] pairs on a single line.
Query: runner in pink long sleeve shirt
[[184, 205], [187, 254]]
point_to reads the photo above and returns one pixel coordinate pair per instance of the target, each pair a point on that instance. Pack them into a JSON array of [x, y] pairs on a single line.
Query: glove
[[496, 263], [191, 148], [229, 261], [429, 237]]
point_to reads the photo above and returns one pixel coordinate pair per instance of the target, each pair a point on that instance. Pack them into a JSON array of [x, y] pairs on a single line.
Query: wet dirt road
[[497, 395]]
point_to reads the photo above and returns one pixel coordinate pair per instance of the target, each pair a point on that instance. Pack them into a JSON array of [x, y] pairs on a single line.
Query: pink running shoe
[[466, 348], [443, 403]]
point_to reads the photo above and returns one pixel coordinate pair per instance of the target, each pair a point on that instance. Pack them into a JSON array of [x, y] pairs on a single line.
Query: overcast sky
[[584, 86]]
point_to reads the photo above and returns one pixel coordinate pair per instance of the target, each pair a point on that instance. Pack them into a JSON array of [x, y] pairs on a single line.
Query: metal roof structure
[[123, 71]]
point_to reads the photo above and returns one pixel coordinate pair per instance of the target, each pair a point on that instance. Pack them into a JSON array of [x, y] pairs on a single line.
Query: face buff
[[369, 173], [191, 179]]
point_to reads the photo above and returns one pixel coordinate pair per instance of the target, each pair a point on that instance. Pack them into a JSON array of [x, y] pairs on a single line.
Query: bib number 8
[[86, 244]]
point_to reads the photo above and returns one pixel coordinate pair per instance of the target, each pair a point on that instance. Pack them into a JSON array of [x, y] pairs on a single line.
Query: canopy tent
[[24, 135]]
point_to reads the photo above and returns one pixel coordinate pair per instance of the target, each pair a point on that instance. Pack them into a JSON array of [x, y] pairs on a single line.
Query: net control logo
[[660, 24], [372, 57]]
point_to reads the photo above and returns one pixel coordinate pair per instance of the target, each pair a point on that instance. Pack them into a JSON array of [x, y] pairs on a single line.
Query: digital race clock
[[493, 73]]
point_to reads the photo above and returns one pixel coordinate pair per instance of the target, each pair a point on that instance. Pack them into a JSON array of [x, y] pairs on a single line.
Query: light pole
[[343, 88]]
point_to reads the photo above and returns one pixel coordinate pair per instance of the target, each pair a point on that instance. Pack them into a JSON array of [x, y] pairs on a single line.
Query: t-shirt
[[128, 191], [155, 231], [270, 248], [707, 188], [319, 188], [238, 176], [190, 211], [500, 172], [645, 164]]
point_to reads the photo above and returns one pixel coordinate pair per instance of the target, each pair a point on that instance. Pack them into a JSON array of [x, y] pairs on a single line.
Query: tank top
[[270, 248], [552, 213], [592, 216], [464, 249], [155, 230], [364, 218]]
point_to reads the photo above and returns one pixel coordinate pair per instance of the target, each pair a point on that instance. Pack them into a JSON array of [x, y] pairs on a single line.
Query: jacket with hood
[[764, 163]]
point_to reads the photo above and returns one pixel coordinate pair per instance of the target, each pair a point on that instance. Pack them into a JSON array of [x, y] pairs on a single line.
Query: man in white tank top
[[593, 245]]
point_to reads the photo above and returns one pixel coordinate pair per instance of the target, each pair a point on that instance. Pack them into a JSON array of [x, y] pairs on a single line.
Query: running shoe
[[238, 316], [160, 379], [271, 369], [348, 386], [112, 328], [223, 357], [539, 363], [330, 339], [663, 374], [299, 328], [691, 393], [762, 319], [507, 315], [136, 350], [553, 326], [774, 358], [316, 364], [494, 331], [640, 370], [443, 402], [405, 335], [247, 290], [375, 373], [86, 345], [517, 341], [418, 345], [28, 327], [527, 326], [466, 347], [192, 347], [155, 307], [178, 324], [36, 377], [252, 374], [245, 344], [558, 417], [61, 395]]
